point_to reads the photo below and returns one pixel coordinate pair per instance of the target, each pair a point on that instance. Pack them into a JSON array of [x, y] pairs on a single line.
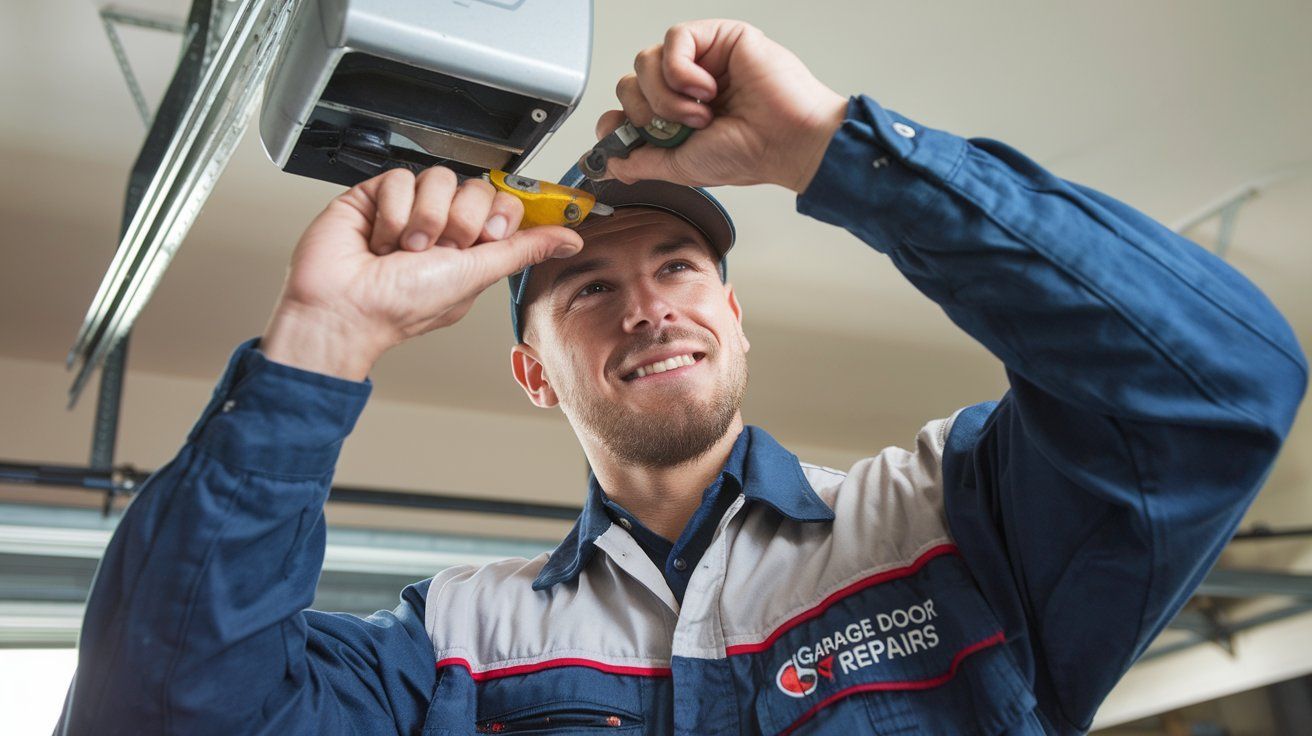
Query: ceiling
[[1168, 106]]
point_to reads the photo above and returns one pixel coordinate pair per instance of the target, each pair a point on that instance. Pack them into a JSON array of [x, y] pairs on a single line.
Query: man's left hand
[[760, 115]]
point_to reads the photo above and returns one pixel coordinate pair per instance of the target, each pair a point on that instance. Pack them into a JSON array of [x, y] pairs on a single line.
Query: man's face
[[637, 339]]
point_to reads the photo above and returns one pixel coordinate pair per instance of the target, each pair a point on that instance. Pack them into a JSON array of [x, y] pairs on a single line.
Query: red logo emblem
[[798, 681]]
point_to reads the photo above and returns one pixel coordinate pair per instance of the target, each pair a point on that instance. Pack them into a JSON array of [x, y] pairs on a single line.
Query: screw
[[596, 162], [538, 114], [572, 212]]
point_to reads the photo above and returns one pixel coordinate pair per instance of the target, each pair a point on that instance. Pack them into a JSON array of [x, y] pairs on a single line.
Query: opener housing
[[365, 85]]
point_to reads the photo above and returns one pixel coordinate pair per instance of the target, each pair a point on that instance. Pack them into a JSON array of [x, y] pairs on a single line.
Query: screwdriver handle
[[664, 134]]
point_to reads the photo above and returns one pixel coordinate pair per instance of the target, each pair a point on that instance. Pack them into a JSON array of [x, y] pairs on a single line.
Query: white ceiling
[[1167, 105]]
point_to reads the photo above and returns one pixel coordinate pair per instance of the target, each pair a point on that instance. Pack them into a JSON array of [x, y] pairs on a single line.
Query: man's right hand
[[394, 257]]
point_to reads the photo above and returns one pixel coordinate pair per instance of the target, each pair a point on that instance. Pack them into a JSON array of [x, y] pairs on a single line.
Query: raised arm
[[1151, 384], [196, 620], [1151, 388]]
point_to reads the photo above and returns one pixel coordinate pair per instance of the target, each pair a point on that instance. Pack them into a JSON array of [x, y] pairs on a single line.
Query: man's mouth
[[666, 365]]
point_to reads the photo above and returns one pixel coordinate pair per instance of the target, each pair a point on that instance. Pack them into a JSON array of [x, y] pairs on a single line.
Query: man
[[997, 578]]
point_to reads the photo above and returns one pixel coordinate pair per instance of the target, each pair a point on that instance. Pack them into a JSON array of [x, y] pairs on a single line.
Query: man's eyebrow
[[672, 246], [596, 264], [578, 269]]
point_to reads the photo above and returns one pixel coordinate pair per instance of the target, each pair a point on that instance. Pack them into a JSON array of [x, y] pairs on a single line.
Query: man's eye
[[595, 287], [678, 266]]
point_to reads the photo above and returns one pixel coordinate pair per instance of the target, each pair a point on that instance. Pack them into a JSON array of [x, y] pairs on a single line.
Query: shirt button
[[229, 405], [680, 564], [904, 130], [628, 526]]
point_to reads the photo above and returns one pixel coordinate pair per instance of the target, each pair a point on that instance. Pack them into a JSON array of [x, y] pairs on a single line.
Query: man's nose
[[646, 308]]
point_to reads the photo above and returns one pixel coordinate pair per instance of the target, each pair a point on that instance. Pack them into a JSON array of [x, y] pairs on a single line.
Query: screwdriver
[[659, 132], [368, 151]]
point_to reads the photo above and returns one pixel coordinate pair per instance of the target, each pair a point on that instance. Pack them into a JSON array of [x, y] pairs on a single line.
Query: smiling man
[[997, 577], [649, 350]]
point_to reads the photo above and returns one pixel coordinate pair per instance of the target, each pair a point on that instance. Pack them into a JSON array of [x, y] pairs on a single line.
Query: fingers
[[415, 213], [646, 93], [677, 79], [507, 212], [394, 192], [608, 122], [499, 259], [649, 162], [469, 212], [667, 102], [434, 189], [636, 107], [683, 65]]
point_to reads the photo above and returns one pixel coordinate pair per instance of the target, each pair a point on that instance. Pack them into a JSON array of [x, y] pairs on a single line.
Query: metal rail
[[126, 480], [207, 131], [1224, 633], [1201, 625]]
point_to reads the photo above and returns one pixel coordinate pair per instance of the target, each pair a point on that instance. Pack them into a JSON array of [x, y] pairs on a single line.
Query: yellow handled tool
[[546, 203]]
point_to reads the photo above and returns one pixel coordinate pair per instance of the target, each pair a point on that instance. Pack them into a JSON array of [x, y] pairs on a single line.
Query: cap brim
[[693, 205]]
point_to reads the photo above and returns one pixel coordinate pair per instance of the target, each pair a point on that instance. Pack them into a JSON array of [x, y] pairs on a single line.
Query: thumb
[[497, 260]]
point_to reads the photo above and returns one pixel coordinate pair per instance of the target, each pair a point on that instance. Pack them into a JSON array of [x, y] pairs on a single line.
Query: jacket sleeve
[[196, 620], [1151, 386]]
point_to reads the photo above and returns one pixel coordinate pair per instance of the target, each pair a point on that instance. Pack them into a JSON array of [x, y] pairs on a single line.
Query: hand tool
[[546, 203], [660, 133], [364, 150]]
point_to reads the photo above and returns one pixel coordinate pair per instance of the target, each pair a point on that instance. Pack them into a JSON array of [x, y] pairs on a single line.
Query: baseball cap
[[694, 205]]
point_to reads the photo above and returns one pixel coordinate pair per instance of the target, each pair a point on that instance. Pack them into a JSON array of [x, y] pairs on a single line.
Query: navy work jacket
[[999, 577]]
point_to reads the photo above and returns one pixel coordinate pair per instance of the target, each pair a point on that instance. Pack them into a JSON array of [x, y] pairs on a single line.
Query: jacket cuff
[[266, 417], [879, 174]]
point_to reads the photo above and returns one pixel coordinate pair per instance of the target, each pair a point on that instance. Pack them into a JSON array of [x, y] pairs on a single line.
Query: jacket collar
[[766, 472]]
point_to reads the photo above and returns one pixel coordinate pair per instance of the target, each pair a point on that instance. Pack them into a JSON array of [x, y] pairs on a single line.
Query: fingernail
[[496, 226], [565, 250], [696, 121], [416, 241], [447, 243]]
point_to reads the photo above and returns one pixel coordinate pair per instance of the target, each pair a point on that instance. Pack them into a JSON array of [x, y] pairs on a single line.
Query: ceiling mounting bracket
[[112, 16]]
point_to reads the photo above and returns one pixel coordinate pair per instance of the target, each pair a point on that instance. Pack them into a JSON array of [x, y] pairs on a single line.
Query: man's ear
[[531, 376], [737, 310]]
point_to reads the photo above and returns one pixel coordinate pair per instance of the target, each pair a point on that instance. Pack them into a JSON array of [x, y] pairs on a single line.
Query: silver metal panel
[[304, 65], [539, 48], [495, 43]]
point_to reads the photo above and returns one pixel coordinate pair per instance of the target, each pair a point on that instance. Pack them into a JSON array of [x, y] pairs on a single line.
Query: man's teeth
[[661, 366]]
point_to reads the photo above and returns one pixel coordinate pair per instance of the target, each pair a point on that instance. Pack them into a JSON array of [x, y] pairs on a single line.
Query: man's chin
[[663, 444], [672, 402], [664, 433]]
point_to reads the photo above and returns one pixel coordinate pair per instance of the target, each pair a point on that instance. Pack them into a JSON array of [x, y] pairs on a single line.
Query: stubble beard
[[683, 431]]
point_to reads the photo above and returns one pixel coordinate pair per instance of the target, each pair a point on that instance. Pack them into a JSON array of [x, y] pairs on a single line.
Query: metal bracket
[[111, 16], [1226, 207], [1217, 629], [1241, 583]]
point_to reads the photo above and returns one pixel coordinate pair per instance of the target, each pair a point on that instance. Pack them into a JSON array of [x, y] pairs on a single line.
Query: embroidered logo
[[800, 681], [894, 634]]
